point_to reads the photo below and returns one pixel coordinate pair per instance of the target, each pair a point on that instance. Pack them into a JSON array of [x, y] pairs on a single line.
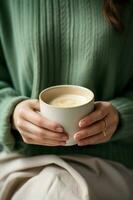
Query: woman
[[45, 43]]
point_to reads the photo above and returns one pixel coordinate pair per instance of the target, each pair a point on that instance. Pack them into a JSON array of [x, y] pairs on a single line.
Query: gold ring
[[105, 129], [104, 133]]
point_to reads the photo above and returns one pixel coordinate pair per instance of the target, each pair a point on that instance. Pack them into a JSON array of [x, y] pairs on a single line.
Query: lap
[[59, 177], [107, 180]]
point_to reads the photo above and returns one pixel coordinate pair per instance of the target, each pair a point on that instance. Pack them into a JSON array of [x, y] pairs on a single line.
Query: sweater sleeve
[[8, 100], [124, 105]]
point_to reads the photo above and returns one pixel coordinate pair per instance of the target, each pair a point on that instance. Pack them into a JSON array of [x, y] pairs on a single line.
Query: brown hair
[[112, 10]]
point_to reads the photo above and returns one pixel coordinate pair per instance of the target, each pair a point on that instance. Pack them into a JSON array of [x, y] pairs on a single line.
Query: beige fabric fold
[[51, 177]]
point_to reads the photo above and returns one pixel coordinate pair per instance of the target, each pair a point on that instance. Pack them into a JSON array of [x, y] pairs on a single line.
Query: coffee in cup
[[68, 100], [66, 104]]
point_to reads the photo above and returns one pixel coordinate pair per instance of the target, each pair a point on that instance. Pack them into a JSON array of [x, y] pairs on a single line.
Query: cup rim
[[69, 107]]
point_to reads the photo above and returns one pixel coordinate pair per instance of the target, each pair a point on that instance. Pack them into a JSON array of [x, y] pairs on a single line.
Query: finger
[[28, 105], [34, 104], [38, 120], [29, 138], [112, 119], [94, 129], [112, 123], [40, 132], [50, 144], [96, 139], [101, 110]]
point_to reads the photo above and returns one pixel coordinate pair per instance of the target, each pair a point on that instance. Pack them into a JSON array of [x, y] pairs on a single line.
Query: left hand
[[98, 126]]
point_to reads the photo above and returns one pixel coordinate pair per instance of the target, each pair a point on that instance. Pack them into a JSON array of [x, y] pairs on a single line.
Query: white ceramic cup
[[68, 116]]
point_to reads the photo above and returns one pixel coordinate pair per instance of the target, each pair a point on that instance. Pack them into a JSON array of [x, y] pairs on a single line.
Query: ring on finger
[[105, 128]]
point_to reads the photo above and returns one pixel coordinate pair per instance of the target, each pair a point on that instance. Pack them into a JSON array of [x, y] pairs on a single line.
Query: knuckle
[[36, 102], [21, 111], [40, 133], [109, 103], [108, 106], [116, 118], [18, 123], [101, 113], [113, 120], [52, 126], [26, 140], [39, 122], [57, 138]]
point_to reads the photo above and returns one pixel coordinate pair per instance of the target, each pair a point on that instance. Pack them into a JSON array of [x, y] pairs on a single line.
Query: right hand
[[36, 129]]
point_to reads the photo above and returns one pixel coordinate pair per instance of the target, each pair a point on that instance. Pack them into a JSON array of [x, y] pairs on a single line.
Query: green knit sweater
[[50, 42]]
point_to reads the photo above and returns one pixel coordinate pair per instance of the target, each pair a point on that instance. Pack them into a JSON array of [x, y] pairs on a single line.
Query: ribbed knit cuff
[[6, 137], [125, 127]]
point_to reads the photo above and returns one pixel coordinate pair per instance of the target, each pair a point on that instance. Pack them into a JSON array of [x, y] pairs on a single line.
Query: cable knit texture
[[50, 42]]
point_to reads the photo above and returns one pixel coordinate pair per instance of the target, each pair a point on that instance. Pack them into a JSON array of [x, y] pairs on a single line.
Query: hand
[[99, 126], [36, 129]]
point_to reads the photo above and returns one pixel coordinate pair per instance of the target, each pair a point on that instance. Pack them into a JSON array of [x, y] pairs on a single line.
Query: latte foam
[[68, 100]]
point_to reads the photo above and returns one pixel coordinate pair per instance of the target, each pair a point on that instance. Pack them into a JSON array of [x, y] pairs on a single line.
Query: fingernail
[[81, 123], [59, 129], [76, 136]]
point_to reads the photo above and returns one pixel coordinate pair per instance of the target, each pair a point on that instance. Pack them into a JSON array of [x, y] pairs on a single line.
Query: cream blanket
[[51, 177]]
